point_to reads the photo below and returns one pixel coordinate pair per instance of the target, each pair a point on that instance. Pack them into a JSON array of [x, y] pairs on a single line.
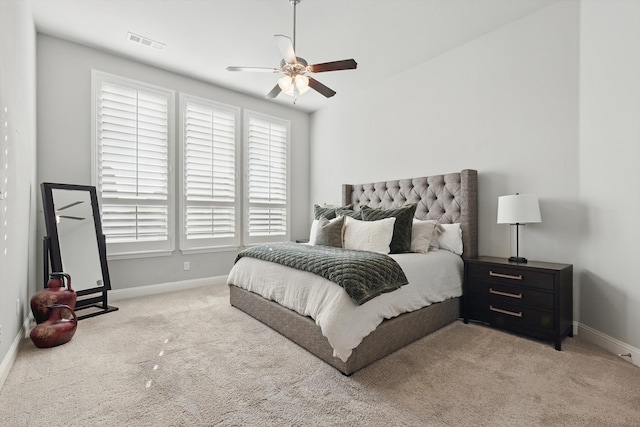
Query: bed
[[448, 198]]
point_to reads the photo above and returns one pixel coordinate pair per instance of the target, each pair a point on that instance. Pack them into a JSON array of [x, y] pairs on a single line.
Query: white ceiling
[[203, 37]]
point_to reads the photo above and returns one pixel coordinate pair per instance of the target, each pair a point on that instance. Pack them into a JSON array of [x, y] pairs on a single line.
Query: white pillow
[[374, 236], [451, 238], [312, 233], [423, 233]]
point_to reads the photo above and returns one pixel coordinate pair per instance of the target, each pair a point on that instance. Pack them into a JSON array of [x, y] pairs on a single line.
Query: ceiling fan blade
[[70, 217], [259, 69], [69, 205], [274, 92], [345, 64], [319, 87], [286, 48]]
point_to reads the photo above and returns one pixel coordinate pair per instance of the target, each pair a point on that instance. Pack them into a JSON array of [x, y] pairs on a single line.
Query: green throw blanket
[[362, 274]]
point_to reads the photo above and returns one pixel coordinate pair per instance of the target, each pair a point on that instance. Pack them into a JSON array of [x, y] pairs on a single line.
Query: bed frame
[[448, 198]]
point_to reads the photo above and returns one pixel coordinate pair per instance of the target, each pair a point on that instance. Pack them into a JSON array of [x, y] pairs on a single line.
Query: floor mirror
[[75, 244]]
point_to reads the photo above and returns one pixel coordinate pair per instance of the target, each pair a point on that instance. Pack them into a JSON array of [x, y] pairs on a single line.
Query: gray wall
[[64, 145], [609, 168], [18, 242], [505, 104], [549, 104]]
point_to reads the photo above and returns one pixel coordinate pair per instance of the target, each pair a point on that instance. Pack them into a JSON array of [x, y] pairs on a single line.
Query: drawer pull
[[504, 294], [505, 276], [510, 313]]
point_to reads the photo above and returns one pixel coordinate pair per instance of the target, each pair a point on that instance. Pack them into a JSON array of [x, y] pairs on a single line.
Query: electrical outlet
[[187, 265]]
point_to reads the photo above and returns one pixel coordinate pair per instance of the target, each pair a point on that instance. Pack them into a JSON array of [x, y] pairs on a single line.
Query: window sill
[[209, 250], [133, 255]]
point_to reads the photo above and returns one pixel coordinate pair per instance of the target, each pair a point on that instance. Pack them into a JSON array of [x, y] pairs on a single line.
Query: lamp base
[[518, 260]]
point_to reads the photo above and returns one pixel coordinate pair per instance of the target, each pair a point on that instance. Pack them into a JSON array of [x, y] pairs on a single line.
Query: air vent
[[146, 41]]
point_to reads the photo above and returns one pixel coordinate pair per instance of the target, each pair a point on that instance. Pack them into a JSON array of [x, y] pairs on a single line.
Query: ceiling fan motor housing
[[300, 67]]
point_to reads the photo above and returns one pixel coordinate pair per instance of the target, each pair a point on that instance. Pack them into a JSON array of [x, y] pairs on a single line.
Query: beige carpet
[[191, 359]]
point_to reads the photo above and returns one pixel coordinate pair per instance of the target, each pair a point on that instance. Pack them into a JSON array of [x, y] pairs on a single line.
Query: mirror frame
[[51, 248]]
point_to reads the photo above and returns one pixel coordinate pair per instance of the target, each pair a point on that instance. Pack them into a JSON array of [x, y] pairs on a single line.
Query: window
[[267, 174], [209, 208], [229, 193], [133, 141]]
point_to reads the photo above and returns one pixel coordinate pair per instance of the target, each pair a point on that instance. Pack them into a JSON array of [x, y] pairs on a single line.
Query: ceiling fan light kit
[[289, 84], [295, 81]]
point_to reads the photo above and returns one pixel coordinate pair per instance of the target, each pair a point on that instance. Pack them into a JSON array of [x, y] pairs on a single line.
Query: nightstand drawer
[[506, 315], [511, 275], [498, 292]]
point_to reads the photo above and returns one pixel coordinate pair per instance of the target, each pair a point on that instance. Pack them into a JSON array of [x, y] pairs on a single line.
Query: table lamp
[[517, 210]]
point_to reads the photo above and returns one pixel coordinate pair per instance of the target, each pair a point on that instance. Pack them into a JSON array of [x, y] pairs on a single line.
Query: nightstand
[[534, 299]]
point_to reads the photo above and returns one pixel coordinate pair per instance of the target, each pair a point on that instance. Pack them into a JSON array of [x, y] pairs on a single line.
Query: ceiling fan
[[295, 81]]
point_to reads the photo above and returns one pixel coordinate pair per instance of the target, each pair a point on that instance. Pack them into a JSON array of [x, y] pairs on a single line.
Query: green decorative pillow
[[401, 241], [327, 212], [329, 233], [347, 211], [319, 211]]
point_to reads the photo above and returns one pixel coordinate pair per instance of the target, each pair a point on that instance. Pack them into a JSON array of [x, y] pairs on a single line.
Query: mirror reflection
[[77, 238]]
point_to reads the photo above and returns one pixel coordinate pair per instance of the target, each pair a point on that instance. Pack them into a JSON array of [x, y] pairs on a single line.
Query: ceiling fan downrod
[[294, 3]]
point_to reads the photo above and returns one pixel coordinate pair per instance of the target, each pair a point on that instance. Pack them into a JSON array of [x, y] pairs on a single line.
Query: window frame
[[211, 244], [127, 250], [247, 240]]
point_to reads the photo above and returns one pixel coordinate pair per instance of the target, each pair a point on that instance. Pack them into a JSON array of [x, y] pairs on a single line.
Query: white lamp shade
[[518, 209], [285, 82]]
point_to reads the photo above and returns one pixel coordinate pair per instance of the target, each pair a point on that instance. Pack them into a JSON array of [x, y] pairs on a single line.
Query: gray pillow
[[401, 241], [329, 233]]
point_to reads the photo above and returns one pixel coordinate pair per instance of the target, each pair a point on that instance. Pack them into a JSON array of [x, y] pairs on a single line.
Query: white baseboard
[[7, 362], [140, 291], [610, 344]]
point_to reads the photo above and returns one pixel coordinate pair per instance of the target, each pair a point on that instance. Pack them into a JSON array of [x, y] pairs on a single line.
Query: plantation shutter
[[132, 144], [267, 183], [210, 202]]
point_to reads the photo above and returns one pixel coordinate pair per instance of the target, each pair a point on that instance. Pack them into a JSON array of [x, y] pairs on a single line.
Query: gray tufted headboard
[[448, 198]]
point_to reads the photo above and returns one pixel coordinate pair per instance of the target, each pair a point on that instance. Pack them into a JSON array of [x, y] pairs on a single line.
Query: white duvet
[[433, 277]]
